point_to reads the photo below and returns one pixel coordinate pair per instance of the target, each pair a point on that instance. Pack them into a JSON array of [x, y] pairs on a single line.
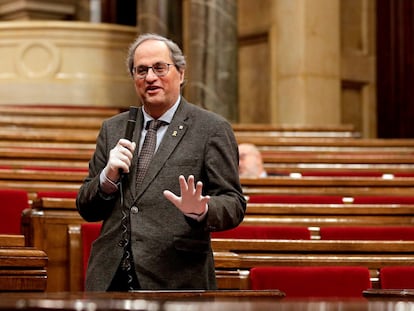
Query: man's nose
[[151, 74]]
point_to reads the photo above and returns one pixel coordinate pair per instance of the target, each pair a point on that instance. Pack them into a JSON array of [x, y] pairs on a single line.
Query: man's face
[[249, 162], [158, 94]]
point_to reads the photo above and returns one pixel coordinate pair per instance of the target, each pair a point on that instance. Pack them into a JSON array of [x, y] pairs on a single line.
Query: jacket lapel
[[175, 132]]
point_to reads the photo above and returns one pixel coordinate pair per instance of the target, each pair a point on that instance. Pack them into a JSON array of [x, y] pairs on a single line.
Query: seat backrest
[[57, 194], [89, 233], [306, 282], [397, 277], [12, 204], [265, 232], [367, 233], [385, 199]]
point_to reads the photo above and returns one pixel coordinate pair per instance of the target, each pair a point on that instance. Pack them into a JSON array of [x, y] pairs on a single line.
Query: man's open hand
[[191, 201]]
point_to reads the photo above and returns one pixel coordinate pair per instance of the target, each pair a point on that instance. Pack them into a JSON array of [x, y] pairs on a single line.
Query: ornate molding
[[37, 9]]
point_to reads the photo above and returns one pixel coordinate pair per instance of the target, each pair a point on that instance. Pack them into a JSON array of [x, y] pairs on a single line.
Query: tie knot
[[154, 124]]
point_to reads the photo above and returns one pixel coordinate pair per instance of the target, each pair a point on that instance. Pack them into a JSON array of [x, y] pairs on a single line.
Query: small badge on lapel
[[180, 127]]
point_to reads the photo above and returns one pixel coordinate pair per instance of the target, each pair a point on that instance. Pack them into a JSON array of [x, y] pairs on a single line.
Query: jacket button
[[134, 210]]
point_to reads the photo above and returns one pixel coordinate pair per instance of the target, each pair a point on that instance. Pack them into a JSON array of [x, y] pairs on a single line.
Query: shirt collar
[[167, 116]]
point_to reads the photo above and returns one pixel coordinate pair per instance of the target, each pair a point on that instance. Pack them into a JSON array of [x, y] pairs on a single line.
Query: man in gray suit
[[156, 232]]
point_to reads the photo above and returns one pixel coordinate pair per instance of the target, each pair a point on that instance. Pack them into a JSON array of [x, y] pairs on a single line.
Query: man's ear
[[182, 75]]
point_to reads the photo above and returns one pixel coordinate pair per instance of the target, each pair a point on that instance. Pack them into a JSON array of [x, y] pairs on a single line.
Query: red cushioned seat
[[397, 277], [89, 233], [13, 202], [384, 199], [367, 233], [264, 232], [305, 282]]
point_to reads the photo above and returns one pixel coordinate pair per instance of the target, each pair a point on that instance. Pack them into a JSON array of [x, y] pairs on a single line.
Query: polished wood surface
[[302, 131], [11, 240], [316, 246], [21, 268], [57, 139], [241, 255], [192, 300], [389, 293], [47, 229], [350, 186], [319, 214], [234, 258]]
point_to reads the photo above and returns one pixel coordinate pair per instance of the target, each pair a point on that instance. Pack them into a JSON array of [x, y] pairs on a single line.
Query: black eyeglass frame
[[144, 73]]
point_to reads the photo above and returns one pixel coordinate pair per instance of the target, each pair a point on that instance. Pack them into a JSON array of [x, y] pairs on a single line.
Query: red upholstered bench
[[367, 233], [89, 233], [264, 232], [386, 199], [13, 202], [318, 282], [397, 277]]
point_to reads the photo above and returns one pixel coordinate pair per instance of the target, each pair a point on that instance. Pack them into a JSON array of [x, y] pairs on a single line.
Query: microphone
[[129, 131]]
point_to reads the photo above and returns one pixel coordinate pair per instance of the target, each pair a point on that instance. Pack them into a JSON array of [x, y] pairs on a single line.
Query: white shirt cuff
[[107, 185]]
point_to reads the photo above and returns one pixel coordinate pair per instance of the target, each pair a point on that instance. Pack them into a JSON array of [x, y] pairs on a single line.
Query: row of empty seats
[[331, 199], [325, 233], [70, 146], [312, 281], [322, 282]]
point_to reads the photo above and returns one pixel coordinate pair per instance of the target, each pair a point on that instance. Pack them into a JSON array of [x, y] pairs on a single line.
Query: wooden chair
[[89, 233], [312, 281]]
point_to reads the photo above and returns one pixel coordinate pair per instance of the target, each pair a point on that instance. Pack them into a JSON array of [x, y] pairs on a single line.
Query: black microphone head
[[129, 131], [133, 111]]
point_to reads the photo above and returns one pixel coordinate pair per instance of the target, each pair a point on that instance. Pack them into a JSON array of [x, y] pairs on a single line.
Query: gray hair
[[175, 51]]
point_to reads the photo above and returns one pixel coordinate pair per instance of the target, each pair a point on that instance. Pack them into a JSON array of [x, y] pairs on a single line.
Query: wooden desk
[[21, 268], [142, 300], [194, 301], [389, 294], [46, 228], [274, 142], [241, 255], [319, 214], [299, 131], [333, 186]]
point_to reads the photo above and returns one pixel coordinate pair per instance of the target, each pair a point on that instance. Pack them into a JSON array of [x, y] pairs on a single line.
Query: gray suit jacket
[[170, 250]]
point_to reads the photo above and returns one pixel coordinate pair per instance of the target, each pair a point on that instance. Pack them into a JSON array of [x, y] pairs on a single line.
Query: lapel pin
[[174, 133], [181, 127]]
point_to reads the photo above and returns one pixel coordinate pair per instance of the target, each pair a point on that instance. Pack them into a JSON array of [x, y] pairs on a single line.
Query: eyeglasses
[[160, 69]]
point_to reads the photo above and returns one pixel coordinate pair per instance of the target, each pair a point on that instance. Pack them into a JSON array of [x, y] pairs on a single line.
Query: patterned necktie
[[148, 148]]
